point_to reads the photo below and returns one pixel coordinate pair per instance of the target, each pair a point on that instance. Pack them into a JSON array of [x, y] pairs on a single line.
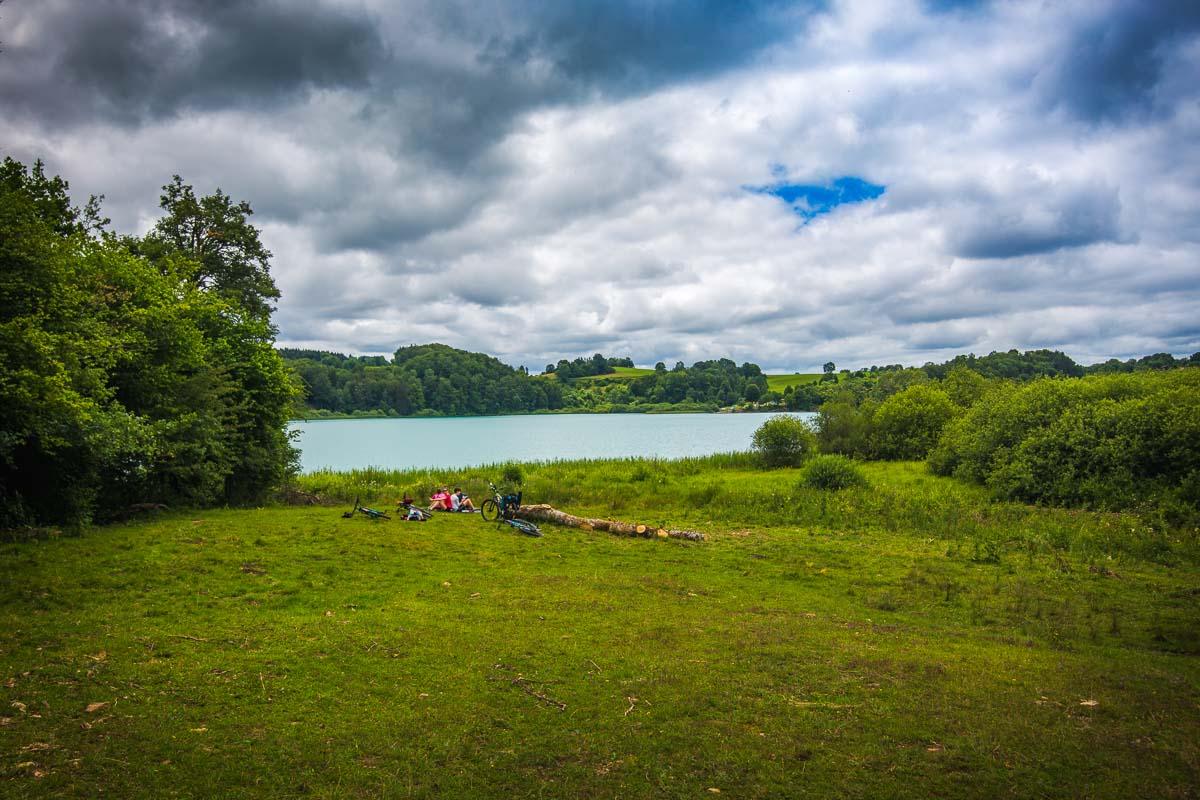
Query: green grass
[[618, 374], [777, 383], [906, 640]]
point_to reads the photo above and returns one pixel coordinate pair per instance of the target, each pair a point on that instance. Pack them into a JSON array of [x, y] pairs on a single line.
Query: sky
[[787, 183]]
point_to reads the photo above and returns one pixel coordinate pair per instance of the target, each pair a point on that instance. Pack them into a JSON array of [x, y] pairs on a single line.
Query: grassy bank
[[907, 640]]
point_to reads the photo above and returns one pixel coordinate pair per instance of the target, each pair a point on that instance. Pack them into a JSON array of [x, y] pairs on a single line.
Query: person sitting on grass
[[413, 514], [460, 501], [440, 500]]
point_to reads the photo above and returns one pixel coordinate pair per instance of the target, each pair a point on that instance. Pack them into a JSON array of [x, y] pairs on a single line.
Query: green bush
[[843, 427], [832, 472], [907, 425], [133, 371], [512, 475], [784, 441], [1111, 442]]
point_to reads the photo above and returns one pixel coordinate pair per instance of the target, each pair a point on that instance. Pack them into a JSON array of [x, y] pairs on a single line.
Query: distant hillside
[[429, 379], [436, 379]]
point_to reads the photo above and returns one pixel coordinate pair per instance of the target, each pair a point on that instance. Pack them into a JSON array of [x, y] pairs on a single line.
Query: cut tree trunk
[[545, 513]]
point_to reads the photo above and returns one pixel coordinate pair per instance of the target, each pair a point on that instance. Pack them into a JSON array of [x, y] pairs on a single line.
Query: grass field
[[777, 383], [906, 640], [619, 374]]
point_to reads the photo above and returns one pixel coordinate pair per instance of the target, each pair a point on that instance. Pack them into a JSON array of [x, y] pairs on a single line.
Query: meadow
[[777, 383], [618, 374], [908, 639]]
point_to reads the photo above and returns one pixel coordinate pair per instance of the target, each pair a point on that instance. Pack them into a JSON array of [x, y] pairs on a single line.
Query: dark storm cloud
[[1112, 67], [135, 60], [526, 54], [1074, 219], [634, 45]]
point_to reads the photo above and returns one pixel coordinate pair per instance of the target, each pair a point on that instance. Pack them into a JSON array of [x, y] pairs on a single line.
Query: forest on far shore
[[438, 380]]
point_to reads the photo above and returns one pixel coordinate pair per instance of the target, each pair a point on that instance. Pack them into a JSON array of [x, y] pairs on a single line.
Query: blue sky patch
[[809, 200]]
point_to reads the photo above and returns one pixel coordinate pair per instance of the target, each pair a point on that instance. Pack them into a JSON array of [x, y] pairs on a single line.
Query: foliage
[[907, 425], [1157, 361], [964, 386], [1110, 441], [784, 441], [437, 379], [462, 383], [222, 247], [845, 428], [832, 472], [122, 380], [582, 367], [512, 475], [1011, 365]]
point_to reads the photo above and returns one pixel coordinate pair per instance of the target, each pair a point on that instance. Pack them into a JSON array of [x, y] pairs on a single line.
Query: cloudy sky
[[783, 182]]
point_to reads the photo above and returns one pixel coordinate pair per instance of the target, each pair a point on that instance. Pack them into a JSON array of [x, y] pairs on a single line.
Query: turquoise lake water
[[468, 441]]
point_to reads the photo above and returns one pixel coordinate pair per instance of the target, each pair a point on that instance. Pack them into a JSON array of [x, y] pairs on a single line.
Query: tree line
[[435, 379], [876, 383], [586, 367], [419, 380], [134, 369]]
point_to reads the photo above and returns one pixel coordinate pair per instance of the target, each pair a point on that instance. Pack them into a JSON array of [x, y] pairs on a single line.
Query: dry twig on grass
[[526, 686]]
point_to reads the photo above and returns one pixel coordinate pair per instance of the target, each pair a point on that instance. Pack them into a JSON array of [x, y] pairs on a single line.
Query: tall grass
[[729, 491]]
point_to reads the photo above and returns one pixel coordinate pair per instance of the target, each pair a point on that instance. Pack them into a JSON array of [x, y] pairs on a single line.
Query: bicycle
[[502, 508], [414, 513], [370, 512]]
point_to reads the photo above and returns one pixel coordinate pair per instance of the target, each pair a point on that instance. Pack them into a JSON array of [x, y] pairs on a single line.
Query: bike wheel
[[527, 528], [489, 510]]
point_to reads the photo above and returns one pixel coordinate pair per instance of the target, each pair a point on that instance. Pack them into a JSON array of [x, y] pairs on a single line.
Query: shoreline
[[557, 412]]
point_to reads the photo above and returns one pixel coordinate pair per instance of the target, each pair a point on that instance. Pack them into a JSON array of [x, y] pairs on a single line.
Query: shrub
[[908, 424], [512, 475], [1103, 442], [843, 427], [832, 472], [784, 441]]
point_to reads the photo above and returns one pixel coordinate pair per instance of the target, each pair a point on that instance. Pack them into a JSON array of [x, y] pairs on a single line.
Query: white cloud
[[561, 217]]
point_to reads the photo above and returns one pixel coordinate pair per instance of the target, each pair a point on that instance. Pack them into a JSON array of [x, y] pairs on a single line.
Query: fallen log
[[545, 513]]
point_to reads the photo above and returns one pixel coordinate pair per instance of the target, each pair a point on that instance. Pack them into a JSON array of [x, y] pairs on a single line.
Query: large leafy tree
[[123, 378], [215, 233], [58, 424]]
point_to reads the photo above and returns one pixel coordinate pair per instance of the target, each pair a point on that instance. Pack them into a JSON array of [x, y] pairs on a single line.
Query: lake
[[446, 442]]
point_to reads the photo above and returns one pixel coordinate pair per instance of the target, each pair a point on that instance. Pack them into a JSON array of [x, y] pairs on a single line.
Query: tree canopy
[[123, 378]]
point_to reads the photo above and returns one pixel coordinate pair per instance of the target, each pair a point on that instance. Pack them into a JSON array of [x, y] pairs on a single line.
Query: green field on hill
[[618, 374], [777, 383], [910, 639]]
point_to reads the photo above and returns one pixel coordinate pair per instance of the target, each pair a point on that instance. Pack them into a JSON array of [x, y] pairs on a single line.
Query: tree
[[784, 441], [964, 386], [845, 428], [121, 380], [908, 424], [224, 248]]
